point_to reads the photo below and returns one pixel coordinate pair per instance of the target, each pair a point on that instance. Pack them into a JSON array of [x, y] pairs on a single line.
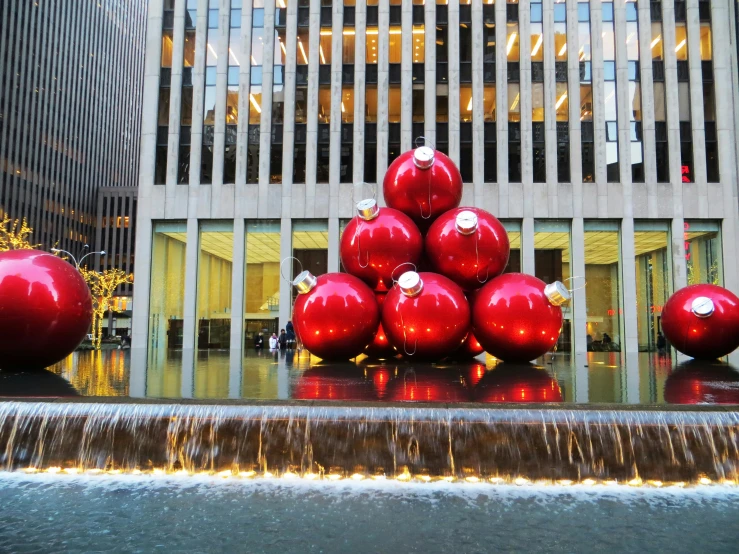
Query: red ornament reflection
[[333, 382], [514, 320], [430, 325], [470, 250], [422, 194], [517, 383], [691, 329], [337, 318], [45, 309], [700, 383], [474, 373], [372, 249], [428, 385]]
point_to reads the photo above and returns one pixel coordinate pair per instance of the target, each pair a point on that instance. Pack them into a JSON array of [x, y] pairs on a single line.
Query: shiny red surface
[[338, 318], [380, 348], [429, 326], [371, 250], [428, 385], [45, 309], [517, 383], [470, 348], [468, 260], [334, 383], [408, 188], [693, 383], [703, 338], [513, 319]]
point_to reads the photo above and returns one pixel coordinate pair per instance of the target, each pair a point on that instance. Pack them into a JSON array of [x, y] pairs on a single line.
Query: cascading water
[[547, 444]]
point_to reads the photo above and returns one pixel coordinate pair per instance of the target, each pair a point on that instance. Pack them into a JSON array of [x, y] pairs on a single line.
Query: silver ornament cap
[[423, 157], [410, 283], [368, 209], [557, 293], [304, 282], [702, 306], [466, 222]]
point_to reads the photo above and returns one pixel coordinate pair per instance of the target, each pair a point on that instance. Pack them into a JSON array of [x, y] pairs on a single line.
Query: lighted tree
[[103, 286], [14, 234]]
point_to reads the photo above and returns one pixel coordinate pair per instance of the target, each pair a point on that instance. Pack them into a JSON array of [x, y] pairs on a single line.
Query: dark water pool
[[137, 514]]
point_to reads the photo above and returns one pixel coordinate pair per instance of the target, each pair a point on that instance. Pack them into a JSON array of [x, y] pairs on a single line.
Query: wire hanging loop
[[584, 283], [392, 273], [405, 338], [426, 142], [282, 263], [359, 245], [477, 261]]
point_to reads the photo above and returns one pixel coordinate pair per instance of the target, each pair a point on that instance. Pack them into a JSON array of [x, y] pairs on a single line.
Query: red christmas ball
[[376, 241], [697, 382], [335, 315], [428, 384], [45, 309], [470, 348], [516, 319], [334, 383], [423, 184], [517, 383], [380, 348], [425, 316], [468, 245], [702, 321]]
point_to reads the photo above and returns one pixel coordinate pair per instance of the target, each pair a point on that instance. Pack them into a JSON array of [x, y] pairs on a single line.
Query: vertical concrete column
[[628, 280], [360, 55], [429, 99], [599, 122], [622, 204], [502, 105], [140, 318], [647, 117], [383, 83], [679, 265], [219, 137], [286, 251], [189, 324], [527, 166], [267, 200], [527, 246], [311, 145], [573, 100], [198, 93], [478, 109], [672, 105], [577, 259], [238, 278], [288, 125], [453, 79], [337, 40], [333, 244], [242, 126], [550, 100], [696, 102], [175, 101], [406, 76]]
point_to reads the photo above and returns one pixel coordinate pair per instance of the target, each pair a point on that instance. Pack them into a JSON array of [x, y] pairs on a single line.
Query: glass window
[[302, 48], [211, 58], [163, 106], [702, 241], [166, 49], [419, 49], [310, 247], [537, 102], [652, 262], [167, 297], [488, 102], [324, 105], [257, 47], [537, 40], [371, 45], [215, 268], [209, 109], [347, 46], [514, 102], [370, 105], [394, 103], [705, 42], [324, 48], [657, 43], [465, 104], [280, 54], [395, 48], [513, 229], [255, 106], [681, 42], [512, 39], [189, 57], [603, 290], [262, 279], [347, 105], [552, 263], [562, 103]]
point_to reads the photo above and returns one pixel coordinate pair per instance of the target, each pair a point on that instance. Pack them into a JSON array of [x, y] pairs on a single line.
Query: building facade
[[613, 163], [70, 114]]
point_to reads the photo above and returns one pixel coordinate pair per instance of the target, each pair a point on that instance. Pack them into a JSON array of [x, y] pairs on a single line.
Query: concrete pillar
[[288, 126], [242, 127], [286, 251], [238, 278], [527, 246], [550, 100], [266, 196], [311, 146], [501, 102], [478, 108], [175, 101], [429, 89], [577, 271], [630, 342], [453, 79], [406, 77], [360, 53], [383, 83], [336, 91]]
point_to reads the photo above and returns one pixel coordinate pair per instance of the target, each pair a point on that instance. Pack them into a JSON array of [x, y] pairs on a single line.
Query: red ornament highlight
[[423, 184], [517, 317], [425, 316], [335, 315], [468, 245], [428, 385], [380, 348], [45, 309], [517, 383], [702, 321], [376, 241]]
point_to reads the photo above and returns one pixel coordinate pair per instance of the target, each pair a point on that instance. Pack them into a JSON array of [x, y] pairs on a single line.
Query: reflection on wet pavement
[[597, 378]]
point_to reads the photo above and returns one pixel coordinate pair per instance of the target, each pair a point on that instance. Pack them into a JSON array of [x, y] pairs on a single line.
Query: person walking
[[282, 339], [291, 339], [273, 342], [259, 342]]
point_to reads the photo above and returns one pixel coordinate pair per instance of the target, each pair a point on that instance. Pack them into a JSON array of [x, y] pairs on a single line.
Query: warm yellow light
[[469, 104], [560, 102], [302, 51], [31, 470], [320, 51], [53, 470], [513, 107], [704, 481], [343, 109], [290, 475], [247, 474], [562, 50], [182, 473], [225, 473], [472, 479], [254, 103], [357, 476], [310, 476], [158, 471], [334, 476], [536, 46], [680, 45], [589, 482], [511, 40], [656, 41], [521, 481]]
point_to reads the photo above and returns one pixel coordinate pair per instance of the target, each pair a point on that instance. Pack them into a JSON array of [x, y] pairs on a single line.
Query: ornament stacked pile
[[425, 279]]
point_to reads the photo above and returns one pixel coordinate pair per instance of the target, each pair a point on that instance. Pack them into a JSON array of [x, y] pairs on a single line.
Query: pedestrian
[[259, 341], [291, 339], [282, 339], [661, 343], [273, 342]]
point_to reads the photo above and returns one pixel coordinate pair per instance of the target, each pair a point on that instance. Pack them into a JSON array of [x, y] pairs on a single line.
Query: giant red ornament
[[470, 348], [377, 241], [423, 184], [468, 245], [702, 321], [517, 383], [425, 316], [517, 317], [380, 348], [45, 309], [698, 382], [335, 315]]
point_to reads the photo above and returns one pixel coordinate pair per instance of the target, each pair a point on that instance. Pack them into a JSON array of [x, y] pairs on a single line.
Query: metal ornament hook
[[281, 264], [477, 262], [405, 339], [359, 246], [426, 142], [584, 283], [395, 281]]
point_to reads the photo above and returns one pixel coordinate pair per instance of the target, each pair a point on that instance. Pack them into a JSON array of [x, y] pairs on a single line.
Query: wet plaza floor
[[595, 378]]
